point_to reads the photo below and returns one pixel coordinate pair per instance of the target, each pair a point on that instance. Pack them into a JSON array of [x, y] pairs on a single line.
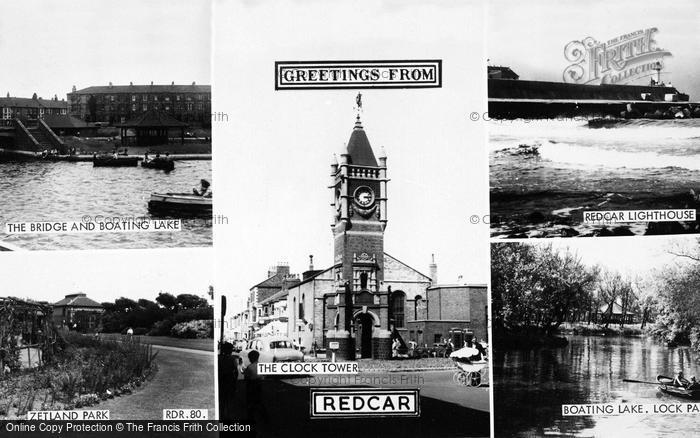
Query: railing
[[24, 140], [53, 138], [363, 172]]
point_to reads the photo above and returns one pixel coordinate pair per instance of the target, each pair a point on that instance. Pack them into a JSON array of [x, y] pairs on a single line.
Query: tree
[[678, 297], [190, 301], [167, 300], [535, 287], [612, 288], [125, 304]]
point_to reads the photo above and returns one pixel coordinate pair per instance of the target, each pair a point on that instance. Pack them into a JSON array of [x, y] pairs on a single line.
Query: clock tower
[[360, 302]]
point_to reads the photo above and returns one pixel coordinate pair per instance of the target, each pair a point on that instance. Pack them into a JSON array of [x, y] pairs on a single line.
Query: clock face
[[364, 196]]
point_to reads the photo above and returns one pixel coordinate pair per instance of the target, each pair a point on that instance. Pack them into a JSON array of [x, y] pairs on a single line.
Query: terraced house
[[114, 104], [31, 108]]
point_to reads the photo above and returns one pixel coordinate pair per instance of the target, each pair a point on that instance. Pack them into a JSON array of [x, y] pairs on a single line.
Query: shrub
[[194, 329], [200, 313], [162, 328]]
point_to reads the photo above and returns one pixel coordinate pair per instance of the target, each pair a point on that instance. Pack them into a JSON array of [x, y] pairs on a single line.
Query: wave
[[656, 123], [587, 157], [622, 131]]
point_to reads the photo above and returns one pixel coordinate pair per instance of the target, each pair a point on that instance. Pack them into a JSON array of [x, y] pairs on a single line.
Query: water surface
[[531, 385], [68, 191]]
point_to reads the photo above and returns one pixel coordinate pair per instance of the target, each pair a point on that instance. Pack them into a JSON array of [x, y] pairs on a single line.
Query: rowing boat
[[666, 386], [159, 163], [179, 203]]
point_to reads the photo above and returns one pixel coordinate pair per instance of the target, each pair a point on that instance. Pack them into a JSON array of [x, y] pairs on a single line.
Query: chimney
[[172, 84], [310, 272], [193, 83], [433, 271], [131, 84], [110, 85], [283, 269], [55, 97], [151, 83], [74, 89], [8, 94]]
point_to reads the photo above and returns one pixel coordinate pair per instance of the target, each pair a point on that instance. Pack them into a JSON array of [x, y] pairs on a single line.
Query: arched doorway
[[364, 324]]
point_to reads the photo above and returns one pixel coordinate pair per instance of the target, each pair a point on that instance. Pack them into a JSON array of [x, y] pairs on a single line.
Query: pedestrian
[[253, 390], [228, 378]]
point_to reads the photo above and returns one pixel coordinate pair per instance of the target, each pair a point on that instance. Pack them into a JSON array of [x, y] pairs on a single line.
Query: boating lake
[[67, 191], [530, 387], [629, 165]]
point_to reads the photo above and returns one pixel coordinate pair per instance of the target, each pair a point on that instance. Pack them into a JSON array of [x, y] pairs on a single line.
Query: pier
[[508, 108], [29, 155]]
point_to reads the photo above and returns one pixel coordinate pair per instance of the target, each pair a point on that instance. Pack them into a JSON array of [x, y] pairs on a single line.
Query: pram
[[471, 369]]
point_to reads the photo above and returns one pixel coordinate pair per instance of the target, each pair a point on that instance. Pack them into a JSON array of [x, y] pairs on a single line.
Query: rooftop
[[77, 300], [25, 102], [172, 88], [64, 121], [153, 119], [359, 149]]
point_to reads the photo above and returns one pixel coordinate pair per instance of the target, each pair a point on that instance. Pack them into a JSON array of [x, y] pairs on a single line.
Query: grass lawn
[[193, 344], [600, 329]]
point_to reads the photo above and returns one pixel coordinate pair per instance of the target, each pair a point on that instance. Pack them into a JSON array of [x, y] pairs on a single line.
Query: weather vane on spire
[[358, 104]]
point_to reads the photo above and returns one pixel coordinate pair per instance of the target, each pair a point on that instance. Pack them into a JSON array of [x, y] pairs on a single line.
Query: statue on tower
[[358, 103]]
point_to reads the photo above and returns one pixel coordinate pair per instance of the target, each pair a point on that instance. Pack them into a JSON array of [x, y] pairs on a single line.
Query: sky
[[274, 155], [105, 275], [530, 36], [631, 256], [46, 47]]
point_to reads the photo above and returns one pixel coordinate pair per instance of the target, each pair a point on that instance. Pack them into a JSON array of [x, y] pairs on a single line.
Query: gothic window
[[363, 281], [397, 304], [301, 307], [294, 305]]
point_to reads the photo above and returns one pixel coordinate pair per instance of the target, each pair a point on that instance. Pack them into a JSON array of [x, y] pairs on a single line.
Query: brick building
[[368, 297], [448, 312], [115, 104], [31, 108], [264, 304]]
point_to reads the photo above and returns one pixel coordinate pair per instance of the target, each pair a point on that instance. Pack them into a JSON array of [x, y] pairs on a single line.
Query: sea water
[[544, 169]]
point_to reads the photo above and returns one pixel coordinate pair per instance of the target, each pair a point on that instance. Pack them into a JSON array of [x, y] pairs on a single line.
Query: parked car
[[272, 349], [417, 351]]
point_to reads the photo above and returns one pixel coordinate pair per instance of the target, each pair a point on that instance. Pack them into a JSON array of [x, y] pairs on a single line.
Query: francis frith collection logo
[[619, 60]]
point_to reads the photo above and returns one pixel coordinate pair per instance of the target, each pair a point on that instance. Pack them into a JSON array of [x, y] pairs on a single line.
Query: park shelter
[[151, 128], [78, 312], [68, 125]]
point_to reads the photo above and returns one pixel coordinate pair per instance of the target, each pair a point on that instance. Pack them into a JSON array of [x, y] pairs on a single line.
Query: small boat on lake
[[111, 161], [666, 386], [180, 203], [159, 163]]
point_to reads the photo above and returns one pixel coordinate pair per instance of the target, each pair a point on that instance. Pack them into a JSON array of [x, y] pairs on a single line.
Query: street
[[185, 379], [447, 409]]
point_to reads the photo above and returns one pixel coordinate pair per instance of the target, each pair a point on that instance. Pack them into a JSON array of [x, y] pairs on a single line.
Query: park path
[[185, 379]]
